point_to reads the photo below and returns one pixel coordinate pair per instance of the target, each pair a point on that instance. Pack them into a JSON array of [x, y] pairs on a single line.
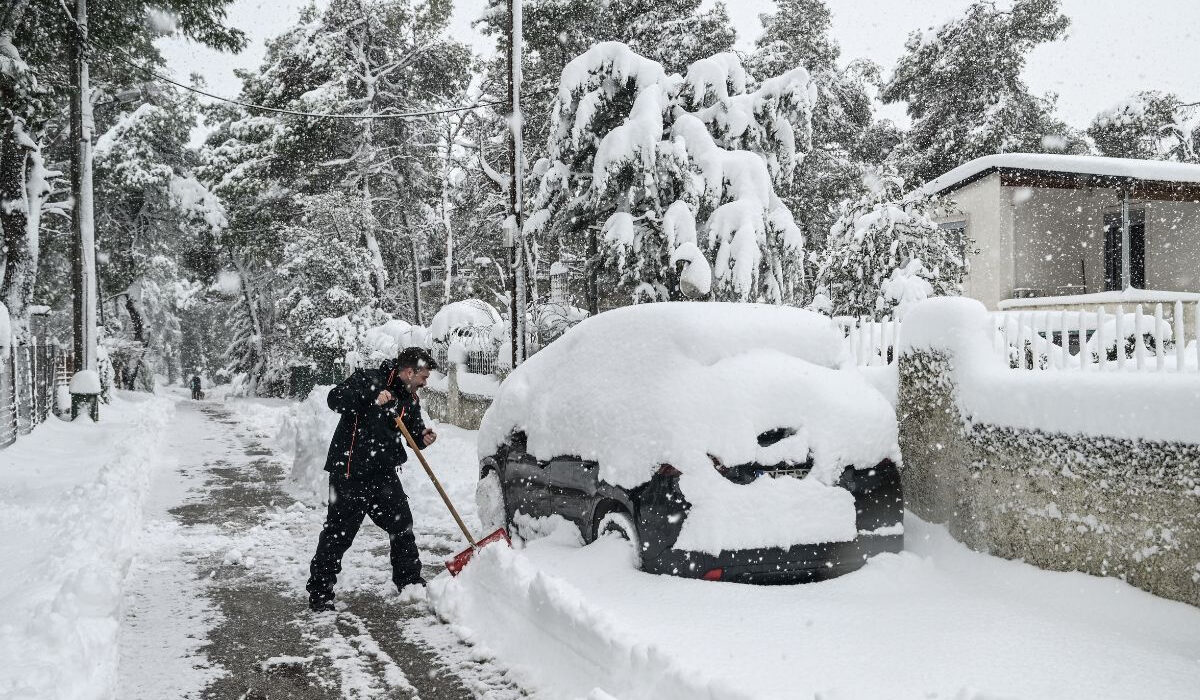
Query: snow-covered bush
[[470, 326], [385, 341], [907, 287], [877, 239], [675, 175]]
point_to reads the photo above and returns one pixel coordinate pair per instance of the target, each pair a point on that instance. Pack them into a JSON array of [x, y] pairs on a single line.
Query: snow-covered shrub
[[907, 287], [878, 237], [676, 175], [468, 325]]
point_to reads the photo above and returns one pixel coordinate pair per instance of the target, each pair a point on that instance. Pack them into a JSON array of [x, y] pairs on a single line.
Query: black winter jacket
[[367, 442]]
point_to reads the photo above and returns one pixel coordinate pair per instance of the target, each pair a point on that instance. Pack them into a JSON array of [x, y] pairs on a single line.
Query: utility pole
[[85, 384], [514, 238]]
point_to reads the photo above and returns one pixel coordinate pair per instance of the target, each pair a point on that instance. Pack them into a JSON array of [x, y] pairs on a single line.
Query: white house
[[1048, 231]]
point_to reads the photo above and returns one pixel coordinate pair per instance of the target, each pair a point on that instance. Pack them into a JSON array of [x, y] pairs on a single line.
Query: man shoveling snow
[[366, 449]]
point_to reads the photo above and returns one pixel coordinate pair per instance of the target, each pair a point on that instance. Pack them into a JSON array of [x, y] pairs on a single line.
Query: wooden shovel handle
[[437, 484]]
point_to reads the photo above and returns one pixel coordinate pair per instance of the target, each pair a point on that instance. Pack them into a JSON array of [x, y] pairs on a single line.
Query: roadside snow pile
[[71, 498], [304, 433], [937, 621], [556, 638], [686, 383], [1132, 405]]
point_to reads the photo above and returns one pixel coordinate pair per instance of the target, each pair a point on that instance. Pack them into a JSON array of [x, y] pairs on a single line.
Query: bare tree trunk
[[591, 269], [412, 241], [21, 238], [446, 215], [378, 272]]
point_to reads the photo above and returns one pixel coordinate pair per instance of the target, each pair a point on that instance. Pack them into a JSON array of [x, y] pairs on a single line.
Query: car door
[[573, 484], [525, 481]]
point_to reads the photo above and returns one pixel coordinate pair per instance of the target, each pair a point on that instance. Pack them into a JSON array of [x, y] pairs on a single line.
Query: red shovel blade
[[461, 559]]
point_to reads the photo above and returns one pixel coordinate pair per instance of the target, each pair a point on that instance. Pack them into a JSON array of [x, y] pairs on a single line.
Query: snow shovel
[[461, 559]]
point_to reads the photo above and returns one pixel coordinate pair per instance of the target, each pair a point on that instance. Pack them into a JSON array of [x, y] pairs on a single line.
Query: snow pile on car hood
[[674, 383]]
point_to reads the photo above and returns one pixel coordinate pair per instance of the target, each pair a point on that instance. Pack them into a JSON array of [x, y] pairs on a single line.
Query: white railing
[[872, 343], [1157, 339], [1104, 340]]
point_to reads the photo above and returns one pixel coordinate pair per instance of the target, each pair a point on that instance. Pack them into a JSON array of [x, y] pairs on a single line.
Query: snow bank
[[71, 498], [683, 383], [304, 432], [936, 621], [557, 639], [1141, 405]]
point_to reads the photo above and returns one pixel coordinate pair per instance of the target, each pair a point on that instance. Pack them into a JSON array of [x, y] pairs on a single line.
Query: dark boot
[[318, 603]]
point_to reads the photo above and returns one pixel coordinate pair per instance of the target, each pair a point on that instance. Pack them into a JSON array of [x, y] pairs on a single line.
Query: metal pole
[[83, 260], [515, 237], [1125, 272]]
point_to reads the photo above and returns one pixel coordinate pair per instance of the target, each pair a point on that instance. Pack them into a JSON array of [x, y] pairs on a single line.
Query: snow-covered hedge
[[1094, 472], [1138, 406]]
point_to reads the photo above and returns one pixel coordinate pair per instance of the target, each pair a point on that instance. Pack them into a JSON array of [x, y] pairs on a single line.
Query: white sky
[[1112, 50]]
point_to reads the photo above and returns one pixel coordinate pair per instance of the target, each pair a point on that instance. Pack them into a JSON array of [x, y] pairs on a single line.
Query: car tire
[[616, 522], [489, 501]]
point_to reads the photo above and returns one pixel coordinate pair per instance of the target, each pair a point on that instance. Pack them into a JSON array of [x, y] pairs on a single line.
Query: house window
[[956, 233]]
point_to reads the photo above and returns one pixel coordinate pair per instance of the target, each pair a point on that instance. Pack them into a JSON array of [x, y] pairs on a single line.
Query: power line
[[316, 115]]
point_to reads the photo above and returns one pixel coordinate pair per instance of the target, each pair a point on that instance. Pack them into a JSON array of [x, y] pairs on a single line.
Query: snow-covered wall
[[1093, 473]]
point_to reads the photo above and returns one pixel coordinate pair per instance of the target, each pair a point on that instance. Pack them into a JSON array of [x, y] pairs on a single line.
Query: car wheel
[[618, 523], [489, 501]]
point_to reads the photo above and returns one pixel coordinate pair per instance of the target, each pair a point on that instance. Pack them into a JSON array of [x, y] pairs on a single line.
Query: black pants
[[383, 499]]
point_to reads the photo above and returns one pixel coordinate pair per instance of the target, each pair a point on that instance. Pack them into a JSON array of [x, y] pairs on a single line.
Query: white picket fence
[[1154, 340], [872, 343]]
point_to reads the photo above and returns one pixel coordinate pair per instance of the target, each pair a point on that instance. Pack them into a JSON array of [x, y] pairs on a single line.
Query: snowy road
[[215, 603]]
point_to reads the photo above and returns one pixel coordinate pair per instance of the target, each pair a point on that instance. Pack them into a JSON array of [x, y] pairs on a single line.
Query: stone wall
[[455, 406], [1103, 506]]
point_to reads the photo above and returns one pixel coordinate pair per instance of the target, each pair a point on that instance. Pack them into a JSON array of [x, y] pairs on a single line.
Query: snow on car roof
[[672, 383], [1054, 162]]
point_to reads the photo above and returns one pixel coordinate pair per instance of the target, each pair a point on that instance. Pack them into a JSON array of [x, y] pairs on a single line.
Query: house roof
[[1153, 179]]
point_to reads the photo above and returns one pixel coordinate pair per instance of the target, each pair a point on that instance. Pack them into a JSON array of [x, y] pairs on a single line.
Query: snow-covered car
[[725, 441]]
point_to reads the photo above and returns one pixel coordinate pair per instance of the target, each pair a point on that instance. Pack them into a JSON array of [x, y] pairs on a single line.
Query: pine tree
[[673, 178], [1149, 124], [236, 163], [963, 88], [876, 241], [798, 34]]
